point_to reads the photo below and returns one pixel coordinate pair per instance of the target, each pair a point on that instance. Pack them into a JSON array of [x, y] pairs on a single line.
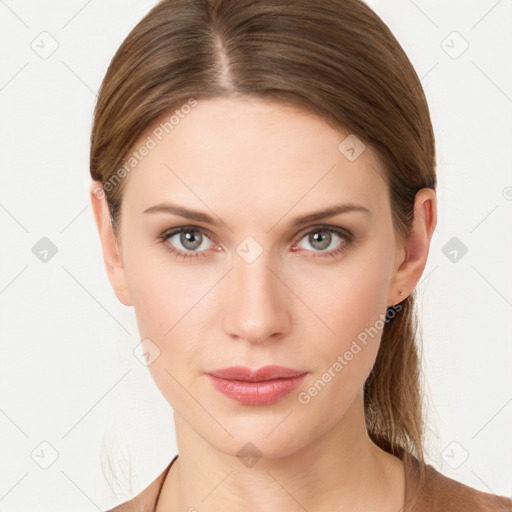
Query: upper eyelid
[[180, 229]]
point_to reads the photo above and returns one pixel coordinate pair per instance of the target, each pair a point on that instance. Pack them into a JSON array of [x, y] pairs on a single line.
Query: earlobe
[[109, 245], [411, 262]]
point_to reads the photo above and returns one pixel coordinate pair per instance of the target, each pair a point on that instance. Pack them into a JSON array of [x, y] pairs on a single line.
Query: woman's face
[[255, 287]]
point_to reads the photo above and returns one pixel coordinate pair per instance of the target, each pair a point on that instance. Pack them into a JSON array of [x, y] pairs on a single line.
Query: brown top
[[435, 493]]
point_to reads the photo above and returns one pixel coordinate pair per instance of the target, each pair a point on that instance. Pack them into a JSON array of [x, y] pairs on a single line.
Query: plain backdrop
[[71, 385]]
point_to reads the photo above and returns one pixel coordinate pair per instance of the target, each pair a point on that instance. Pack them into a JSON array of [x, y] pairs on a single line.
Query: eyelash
[[347, 237]]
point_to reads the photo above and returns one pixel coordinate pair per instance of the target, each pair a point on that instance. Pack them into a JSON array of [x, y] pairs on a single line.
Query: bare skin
[[255, 166]]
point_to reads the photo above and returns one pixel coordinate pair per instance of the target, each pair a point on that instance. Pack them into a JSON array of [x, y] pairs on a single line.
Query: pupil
[[320, 239], [190, 240]]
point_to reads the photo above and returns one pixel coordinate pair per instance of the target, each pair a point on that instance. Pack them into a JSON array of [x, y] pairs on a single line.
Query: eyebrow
[[198, 216]]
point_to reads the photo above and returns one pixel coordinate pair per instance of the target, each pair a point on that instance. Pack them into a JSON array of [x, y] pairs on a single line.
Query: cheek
[[163, 290], [353, 306], [347, 298], [168, 308], [171, 305]]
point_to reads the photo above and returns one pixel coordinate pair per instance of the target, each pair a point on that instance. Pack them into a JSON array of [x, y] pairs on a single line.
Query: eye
[[187, 242], [326, 240], [191, 242]]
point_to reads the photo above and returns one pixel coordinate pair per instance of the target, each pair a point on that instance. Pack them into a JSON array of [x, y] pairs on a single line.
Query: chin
[[252, 447], [262, 433]]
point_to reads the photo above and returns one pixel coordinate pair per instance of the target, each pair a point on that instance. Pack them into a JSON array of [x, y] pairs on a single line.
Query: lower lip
[[257, 393]]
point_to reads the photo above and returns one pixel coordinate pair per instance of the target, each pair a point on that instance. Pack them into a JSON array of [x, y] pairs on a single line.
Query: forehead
[[250, 156]]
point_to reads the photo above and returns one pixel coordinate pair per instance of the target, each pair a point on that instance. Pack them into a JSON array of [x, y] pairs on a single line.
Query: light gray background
[[70, 382]]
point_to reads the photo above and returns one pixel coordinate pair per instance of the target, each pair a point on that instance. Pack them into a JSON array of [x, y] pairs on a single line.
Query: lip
[[262, 386]]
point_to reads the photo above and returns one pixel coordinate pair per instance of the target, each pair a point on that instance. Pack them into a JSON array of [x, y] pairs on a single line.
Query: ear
[[111, 253], [411, 260]]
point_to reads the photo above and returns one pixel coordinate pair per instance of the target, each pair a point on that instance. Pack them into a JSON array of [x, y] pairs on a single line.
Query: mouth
[[262, 386]]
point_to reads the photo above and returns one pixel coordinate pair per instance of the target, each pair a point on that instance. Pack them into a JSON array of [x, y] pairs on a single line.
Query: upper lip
[[264, 373]]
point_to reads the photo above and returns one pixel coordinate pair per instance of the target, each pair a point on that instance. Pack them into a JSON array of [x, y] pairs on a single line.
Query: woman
[[264, 190]]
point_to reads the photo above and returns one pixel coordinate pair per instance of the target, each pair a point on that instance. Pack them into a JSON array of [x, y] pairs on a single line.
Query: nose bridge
[[258, 303]]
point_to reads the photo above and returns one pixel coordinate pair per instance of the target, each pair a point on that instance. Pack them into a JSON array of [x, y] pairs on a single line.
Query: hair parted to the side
[[334, 58]]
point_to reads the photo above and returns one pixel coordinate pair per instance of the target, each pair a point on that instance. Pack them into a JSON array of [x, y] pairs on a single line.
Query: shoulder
[[146, 500], [435, 492]]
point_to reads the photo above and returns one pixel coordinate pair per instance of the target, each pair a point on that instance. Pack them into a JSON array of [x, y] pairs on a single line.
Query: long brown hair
[[335, 58]]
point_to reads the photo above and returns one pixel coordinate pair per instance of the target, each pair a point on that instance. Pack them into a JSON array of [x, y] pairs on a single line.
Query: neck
[[341, 470]]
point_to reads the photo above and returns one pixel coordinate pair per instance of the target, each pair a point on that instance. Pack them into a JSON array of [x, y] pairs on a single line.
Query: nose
[[258, 304]]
